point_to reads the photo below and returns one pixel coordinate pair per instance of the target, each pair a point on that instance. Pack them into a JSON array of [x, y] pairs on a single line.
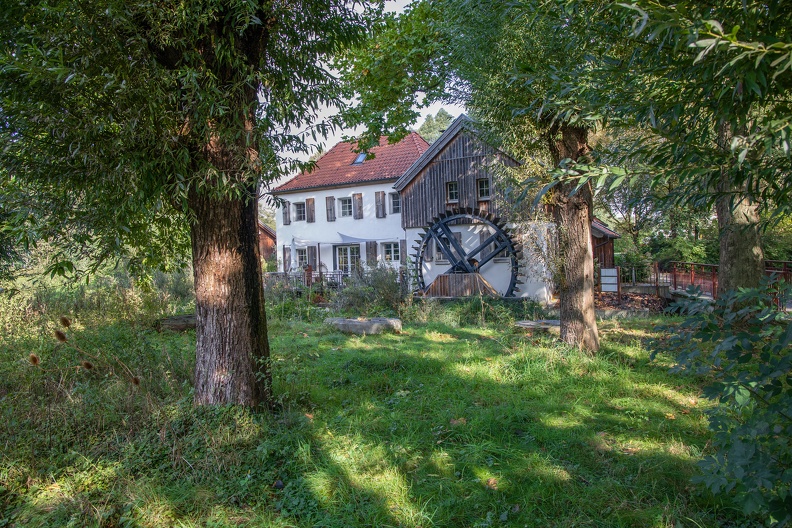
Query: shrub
[[375, 290], [742, 343]]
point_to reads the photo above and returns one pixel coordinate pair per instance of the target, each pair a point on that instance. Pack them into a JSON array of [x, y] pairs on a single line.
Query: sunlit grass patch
[[441, 425]]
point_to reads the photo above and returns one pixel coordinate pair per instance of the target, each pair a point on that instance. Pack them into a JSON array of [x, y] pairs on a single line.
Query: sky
[[394, 6]]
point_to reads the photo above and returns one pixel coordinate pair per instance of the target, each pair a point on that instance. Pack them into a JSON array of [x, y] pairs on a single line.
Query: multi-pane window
[[452, 191], [390, 251], [302, 258], [395, 202], [345, 206], [299, 212], [483, 188], [347, 257]]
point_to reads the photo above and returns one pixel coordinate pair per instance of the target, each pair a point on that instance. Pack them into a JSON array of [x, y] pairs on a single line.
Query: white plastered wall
[[328, 234]]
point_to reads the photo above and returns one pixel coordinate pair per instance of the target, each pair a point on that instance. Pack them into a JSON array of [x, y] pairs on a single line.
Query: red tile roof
[[335, 168]]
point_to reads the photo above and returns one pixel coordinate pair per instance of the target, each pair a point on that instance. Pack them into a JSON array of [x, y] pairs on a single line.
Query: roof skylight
[[360, 159]]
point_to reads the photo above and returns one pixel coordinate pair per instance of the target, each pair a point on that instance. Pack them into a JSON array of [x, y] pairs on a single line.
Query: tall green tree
[[468, 52], [435, 125], [131, 123], [710, 83]]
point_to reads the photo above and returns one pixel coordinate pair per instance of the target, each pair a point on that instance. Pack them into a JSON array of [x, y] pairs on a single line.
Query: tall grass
[[458, 421]]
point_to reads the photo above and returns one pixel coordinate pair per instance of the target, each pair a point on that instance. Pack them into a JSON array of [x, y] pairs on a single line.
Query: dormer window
[[360, 159]]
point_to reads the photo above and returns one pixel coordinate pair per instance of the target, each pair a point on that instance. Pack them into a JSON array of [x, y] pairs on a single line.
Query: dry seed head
[[135, 381], [65, 321], [34, 359], [60, 336], [87, 365]]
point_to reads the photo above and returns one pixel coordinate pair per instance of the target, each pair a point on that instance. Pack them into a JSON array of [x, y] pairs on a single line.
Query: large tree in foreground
[[470, 53], [125, 123]]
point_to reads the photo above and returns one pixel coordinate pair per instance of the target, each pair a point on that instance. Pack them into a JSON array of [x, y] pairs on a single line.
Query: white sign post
[[610, 281]]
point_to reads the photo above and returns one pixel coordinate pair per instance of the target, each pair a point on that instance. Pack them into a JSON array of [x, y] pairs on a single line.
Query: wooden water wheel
[[495, 245]]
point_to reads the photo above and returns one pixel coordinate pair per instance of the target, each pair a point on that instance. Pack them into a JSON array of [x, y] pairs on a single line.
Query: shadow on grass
[[436, 427]]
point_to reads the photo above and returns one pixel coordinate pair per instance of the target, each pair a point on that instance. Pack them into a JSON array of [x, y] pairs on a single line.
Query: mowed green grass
[[441, 425]]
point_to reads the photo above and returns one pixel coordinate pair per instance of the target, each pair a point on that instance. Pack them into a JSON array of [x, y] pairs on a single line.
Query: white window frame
[[391, 252], [301, 254], [299, 212], [455, 191], [485, 181], [395, 203], [342, 204], [351, 257]]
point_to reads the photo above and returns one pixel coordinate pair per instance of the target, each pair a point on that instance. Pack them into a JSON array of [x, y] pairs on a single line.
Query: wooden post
[[692, 274], [673, 270], [308, 276], [618, 284], [657, 278], [633, 275], [714, 283], [319, 263]]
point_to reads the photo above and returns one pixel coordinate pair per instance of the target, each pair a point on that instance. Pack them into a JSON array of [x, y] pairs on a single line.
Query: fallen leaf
[[670, 416], [492, 483], [602, 434], [685, 411], [458, 421], [309, 416], [630, 450]]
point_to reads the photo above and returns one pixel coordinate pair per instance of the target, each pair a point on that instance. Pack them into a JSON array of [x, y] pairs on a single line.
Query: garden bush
[[742, 343]]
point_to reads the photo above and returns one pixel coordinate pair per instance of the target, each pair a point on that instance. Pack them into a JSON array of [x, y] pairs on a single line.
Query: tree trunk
[[573, 213], [741, 262], [232, 351], [741, 255]]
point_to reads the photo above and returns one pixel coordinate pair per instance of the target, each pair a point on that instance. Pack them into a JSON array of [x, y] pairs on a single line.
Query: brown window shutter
[[357, 206], [379, 198], [286, 258], [286, 212], [402, 252], [330, 204], [371, 253], [312, 257], [310, 210]]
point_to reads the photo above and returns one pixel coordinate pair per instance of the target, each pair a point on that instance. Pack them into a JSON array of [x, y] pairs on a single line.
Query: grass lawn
[[442, 425]]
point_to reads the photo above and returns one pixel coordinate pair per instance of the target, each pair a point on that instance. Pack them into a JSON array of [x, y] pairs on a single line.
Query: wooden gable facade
[[457, 161], [460, 156]]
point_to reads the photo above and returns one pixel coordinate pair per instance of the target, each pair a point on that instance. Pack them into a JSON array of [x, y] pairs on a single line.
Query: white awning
[[346, 239]]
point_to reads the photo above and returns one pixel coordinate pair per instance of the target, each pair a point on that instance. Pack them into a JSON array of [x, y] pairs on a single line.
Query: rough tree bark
[[741, 256], [232, 350], [573, 213]]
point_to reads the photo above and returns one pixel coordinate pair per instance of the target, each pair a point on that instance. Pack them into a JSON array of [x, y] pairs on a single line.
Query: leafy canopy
[[108, 109]]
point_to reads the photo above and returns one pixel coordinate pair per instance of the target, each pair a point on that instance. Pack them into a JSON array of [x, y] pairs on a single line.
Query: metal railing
[[705, 276], [332, 280]]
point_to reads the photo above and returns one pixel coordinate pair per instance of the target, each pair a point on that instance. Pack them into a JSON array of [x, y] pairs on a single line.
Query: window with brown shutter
[[310, 210], [379, 200], [330, 204], [312, 257], [286, 212], [286, 258], [357, 206], [371, 253]]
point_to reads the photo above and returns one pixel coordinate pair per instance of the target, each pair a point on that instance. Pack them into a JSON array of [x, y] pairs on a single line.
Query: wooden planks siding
[[463, 160]]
